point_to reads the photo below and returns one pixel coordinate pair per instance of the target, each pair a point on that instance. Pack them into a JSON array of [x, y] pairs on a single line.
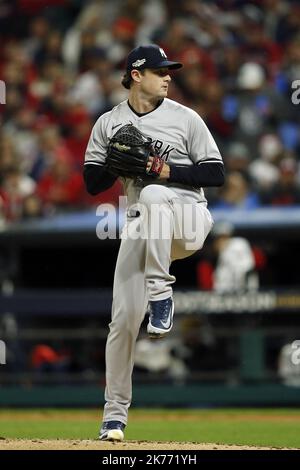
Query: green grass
[[278, 428]]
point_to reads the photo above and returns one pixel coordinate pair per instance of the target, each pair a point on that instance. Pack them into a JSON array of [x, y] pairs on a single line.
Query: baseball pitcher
[[164, 154]]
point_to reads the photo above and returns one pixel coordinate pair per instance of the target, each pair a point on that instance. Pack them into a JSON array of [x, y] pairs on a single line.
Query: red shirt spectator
[[61, 186]]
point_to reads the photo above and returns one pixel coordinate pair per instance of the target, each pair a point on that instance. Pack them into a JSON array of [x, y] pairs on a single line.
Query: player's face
[[155, 82]]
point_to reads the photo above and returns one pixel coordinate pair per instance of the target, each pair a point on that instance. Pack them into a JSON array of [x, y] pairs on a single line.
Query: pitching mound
[[68, 444]]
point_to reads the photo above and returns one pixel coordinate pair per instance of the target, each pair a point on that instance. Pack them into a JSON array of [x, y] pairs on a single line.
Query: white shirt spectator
[[235, 262]]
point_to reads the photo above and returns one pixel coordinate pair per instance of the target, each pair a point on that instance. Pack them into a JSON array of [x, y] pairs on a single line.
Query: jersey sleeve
[[97, 146], [201, 144]]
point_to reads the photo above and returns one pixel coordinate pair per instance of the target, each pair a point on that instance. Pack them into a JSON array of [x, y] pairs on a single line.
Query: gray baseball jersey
[[178, 134]]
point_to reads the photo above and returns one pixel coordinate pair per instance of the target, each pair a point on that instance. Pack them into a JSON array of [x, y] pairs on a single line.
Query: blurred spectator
[[257, 108], [32, 208], [237, 158], [289, 24], [214, 113], [234, 265], [193, 350], [61, 187], [87, 87], [274, 11], [21, 132], [156, 358], [15, 187], [38, 30], [235, 268], [264, 170], [289, 364], [45, 359], [237, 193], [153, 17], [77, 124], [50, 142], [286, 191], [50, 49], [257, 46], [229, 64], [9, 331], [198, 347]]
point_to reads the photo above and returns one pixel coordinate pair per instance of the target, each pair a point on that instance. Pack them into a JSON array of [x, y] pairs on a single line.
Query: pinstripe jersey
[[178, 134]]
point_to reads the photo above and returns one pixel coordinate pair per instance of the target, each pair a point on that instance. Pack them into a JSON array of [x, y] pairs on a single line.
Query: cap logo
[[138, 62], [162, 53]]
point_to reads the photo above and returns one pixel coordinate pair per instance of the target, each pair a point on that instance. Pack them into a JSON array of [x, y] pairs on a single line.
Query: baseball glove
[[128, 154]]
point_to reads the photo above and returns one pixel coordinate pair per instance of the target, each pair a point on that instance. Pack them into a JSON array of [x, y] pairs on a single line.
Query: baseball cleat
[[112, 431], [160, 317]]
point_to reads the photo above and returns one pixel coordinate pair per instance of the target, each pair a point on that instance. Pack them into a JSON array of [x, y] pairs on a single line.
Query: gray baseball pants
[[142, 274]]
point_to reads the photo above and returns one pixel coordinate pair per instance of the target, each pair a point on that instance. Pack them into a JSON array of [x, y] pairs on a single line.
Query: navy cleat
[[112, 431], [160, 317]]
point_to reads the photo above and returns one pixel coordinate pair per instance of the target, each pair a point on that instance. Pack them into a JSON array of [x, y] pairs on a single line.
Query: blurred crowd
[[62, 62]]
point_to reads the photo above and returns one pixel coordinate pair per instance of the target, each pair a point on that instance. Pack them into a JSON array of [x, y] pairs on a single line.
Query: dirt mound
[[69, 444]]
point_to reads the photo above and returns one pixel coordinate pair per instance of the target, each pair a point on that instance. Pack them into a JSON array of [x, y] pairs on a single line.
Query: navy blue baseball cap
[[149, 57]]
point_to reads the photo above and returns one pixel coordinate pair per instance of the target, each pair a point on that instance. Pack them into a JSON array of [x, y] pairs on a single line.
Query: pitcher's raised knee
[[154, 194]]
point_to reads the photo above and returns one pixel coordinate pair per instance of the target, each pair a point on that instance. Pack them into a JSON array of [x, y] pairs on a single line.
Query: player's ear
[[136, 75]]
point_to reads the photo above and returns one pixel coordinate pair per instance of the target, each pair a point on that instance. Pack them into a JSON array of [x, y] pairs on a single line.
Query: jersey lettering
[[166, 153], [158, 145]]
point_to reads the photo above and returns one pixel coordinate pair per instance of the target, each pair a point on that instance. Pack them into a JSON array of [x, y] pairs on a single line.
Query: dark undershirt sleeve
[[202, 175], [97, 178]]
